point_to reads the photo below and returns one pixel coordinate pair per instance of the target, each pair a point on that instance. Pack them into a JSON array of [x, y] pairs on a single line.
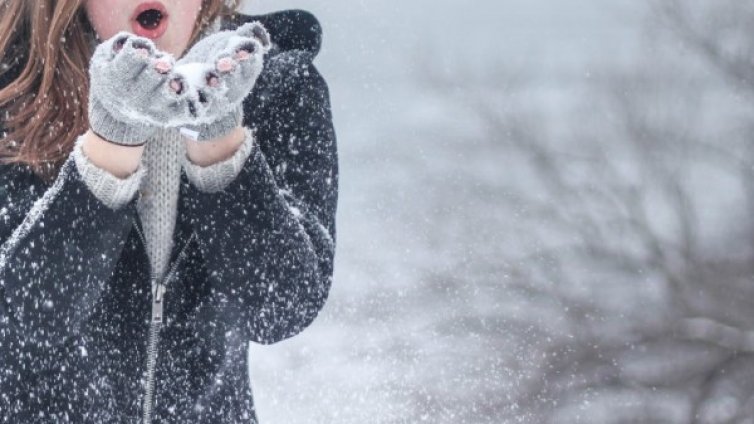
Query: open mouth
[[150, 20]]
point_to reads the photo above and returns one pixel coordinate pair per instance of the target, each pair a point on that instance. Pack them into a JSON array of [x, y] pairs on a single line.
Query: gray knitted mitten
[[133, 91], [220, 71]]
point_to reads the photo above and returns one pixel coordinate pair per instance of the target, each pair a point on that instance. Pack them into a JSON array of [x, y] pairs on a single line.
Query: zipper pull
[[158, 293]]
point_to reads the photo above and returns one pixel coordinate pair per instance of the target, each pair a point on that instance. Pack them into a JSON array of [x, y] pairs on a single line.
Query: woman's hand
[[209, 152], [133, 90], [219, 72]]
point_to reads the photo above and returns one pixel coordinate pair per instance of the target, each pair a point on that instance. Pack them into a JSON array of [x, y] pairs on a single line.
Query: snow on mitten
[[220, 71], [132, 90]]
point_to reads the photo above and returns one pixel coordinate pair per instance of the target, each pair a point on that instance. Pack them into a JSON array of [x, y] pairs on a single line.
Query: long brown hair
[[45, 48]]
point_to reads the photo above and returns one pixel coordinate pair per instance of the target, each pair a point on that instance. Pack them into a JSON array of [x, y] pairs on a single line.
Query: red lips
[[150, 20]]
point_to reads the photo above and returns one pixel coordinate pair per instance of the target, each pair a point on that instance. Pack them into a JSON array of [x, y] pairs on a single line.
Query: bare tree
[[643, 266]]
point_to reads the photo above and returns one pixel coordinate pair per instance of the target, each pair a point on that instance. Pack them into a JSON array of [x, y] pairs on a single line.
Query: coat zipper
[[155, 324]]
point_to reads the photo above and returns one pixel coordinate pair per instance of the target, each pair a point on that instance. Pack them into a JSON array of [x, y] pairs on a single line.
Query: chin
[[176, 50]]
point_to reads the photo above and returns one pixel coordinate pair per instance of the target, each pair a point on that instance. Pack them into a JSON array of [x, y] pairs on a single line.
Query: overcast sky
[[372, 49], [361, 34]]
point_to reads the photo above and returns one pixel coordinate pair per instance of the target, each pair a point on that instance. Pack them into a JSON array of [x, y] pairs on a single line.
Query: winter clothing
[[158, 179], [130, 113], [109, 189], [252, 260], [158, 209], [220, 111]]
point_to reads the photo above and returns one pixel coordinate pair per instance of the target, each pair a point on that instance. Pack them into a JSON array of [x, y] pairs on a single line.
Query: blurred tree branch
[[652, 293]]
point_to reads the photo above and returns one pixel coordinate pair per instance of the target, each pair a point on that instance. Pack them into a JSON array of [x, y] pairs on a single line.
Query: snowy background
[[543, 216]]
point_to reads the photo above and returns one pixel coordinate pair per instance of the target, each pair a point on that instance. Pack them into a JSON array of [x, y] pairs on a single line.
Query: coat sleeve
[[217, 176], [59, 244], [268, 237]]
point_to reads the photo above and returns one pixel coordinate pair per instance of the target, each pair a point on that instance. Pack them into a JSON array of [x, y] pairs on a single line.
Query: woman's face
[[169, 23]]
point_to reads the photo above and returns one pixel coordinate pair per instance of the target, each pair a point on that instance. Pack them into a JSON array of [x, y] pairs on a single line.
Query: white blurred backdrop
[[522, 209]]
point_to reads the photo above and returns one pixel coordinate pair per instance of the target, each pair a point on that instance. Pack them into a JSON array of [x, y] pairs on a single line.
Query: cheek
[[106, 16], [184, 19]]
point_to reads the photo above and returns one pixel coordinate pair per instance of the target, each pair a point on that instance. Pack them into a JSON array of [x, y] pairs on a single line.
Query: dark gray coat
[[251, 263]]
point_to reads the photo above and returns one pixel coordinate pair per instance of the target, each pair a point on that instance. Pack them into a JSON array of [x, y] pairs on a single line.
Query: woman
[[137, 259]]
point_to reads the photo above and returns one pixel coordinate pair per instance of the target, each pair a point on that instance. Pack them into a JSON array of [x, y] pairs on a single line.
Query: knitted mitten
[[220, 71], [133, 91]]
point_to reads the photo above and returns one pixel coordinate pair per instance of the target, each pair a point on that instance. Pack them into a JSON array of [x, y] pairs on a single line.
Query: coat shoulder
[[296, 37], [290, 30]]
